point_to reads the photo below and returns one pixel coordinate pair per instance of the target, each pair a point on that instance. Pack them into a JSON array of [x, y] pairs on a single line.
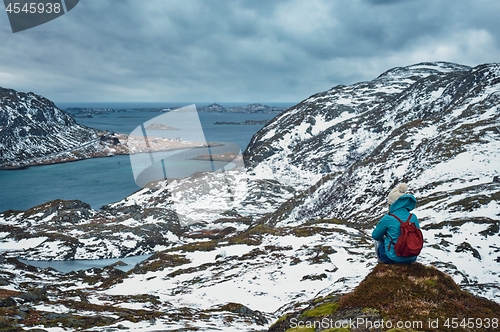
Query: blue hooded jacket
[[390, 227]]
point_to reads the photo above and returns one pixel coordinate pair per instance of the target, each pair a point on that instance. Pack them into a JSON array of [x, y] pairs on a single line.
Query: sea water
[[100, 181], [80, 264]]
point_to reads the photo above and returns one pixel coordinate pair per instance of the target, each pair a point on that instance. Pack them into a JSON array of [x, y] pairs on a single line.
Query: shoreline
[[97, 155], [224, 157]]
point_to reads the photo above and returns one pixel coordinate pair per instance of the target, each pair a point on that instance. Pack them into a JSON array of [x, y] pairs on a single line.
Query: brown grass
[[7, 293]]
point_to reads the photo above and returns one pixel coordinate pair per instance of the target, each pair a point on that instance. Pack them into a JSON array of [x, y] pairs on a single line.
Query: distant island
[[247, 122], [252, 108], [159, 126], [79, 112], [225, 157]]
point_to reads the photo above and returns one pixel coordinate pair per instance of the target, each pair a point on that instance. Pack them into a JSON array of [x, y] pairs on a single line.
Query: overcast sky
[[238, 51]]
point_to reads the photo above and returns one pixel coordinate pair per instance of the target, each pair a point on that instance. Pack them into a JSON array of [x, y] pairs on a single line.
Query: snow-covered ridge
[[442, 127], [32, 126], [341, 118]]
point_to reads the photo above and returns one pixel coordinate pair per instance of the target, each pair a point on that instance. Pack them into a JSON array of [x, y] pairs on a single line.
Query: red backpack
[[411, 240]]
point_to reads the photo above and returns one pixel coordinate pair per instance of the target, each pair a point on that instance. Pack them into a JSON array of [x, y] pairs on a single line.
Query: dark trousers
[[384, 258]]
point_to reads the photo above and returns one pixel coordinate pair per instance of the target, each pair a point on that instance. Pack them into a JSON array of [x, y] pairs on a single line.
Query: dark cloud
[[196, 50]]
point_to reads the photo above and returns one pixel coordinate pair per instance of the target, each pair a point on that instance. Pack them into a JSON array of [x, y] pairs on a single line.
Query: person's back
[[388, 229]]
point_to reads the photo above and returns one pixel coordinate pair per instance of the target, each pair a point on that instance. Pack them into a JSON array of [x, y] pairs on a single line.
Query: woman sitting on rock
[[388, 229]]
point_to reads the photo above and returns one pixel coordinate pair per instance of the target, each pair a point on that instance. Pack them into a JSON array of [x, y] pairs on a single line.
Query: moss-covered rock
[[393, 293], [302, 329], [417, 293], [322, 310]]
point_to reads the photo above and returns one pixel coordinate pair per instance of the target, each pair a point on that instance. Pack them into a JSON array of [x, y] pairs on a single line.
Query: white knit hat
[[397, 192]]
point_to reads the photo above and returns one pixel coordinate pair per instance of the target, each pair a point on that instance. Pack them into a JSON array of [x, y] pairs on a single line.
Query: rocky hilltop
[[32, 126], [396, 298], [290, 233]]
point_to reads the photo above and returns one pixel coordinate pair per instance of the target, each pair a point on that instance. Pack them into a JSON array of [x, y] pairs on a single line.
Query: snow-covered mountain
[[32, 126], [431, 125], [434, 126], [33, 131], [296, 223]]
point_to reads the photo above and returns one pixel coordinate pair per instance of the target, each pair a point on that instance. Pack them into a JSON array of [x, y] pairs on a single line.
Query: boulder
[[7, 302]]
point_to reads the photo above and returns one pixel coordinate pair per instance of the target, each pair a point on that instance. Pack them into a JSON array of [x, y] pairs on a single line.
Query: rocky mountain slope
[[434, 126], [32, 126], [260, 278], [237, 249], [233, 281]]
